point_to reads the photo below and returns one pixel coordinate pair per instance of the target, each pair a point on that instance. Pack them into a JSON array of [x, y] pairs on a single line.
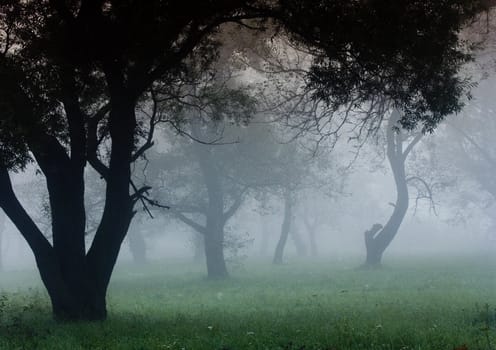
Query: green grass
[[433, 304]]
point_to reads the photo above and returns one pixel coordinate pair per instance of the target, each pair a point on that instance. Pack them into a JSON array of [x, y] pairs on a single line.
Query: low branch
[[196, 226], [236, 204]]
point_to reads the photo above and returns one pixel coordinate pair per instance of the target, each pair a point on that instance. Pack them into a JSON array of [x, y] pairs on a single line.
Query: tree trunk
[[68, 302], [77, 282], [216, 220], [285, 228], [118, 210], [214, 251], [379, 238], [137, 246]]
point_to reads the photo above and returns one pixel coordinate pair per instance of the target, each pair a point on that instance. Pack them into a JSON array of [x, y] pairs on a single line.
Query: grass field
[[428, 304]]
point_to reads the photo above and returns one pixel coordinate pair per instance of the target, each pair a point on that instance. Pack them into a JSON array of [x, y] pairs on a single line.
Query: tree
[[292, 172], [399, 146], [464, 154], [72, 74]]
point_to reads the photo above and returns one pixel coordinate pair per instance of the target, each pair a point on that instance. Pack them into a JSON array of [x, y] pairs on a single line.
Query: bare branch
[[421, 195], [199, 228]]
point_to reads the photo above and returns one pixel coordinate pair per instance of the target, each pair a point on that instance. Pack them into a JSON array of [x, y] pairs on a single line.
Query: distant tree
[[209, 184], [206, 175], [465, 155], [292, 169], [399, 145], [314, 216]]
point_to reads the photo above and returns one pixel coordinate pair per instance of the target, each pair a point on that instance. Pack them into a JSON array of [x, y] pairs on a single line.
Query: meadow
[[442, 303]]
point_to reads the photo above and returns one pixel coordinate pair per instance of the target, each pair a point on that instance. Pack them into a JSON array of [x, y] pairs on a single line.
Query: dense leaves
[[408, 51]]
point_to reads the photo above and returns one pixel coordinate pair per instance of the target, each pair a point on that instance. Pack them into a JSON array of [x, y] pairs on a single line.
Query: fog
[[342, 185]]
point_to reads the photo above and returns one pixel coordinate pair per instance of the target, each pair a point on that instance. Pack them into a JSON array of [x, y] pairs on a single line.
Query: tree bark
[[67, 303], [285, 228], [214, 251], [118, 209], [214, 233]]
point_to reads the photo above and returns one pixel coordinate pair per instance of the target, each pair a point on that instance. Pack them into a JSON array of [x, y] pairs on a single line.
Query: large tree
[[74, 71]]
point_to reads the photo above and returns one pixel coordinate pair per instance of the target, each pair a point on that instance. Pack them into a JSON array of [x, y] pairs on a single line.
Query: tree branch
[[199, 228], [235, 206], [412, 144]]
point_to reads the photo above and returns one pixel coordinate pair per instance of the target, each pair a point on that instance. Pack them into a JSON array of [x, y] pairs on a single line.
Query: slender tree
[[378, 238]]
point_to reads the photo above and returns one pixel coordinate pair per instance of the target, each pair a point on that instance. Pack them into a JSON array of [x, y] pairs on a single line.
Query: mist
[[262, 174]]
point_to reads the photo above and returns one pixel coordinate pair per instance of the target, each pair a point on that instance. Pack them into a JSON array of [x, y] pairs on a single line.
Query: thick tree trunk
[[77, 282], [216, 220], [66, 193], [285, 228], [68, 303], [214, 233], [379, 238], [214, 251], [118, 209]]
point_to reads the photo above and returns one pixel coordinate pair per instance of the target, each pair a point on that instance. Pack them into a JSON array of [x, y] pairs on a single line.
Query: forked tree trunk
[[77, 282], [285, 228], [72, 298], [378, 238]]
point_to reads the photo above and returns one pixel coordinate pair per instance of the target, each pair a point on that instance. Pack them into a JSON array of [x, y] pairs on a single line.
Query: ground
[[442, 303]]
